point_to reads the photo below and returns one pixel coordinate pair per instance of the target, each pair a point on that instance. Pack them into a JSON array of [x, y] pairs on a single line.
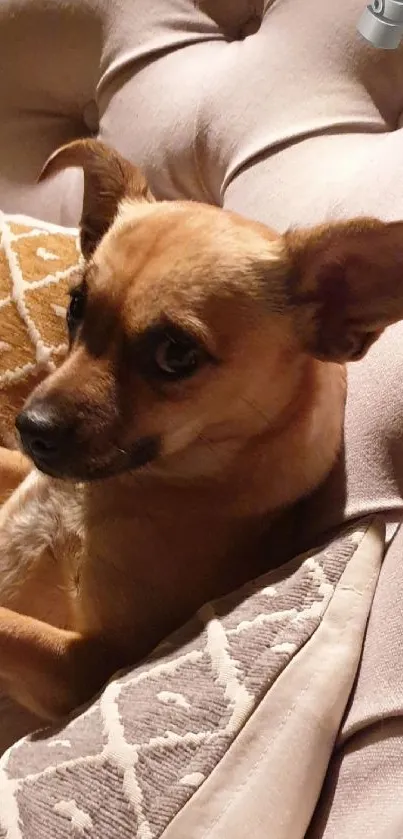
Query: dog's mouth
[[76, 467]]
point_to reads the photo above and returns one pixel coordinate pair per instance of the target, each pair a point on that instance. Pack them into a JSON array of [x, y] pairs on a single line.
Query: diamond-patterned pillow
[[37, 260], [134, 761]]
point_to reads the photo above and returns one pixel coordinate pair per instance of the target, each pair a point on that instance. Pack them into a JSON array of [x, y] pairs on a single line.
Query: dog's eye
[[178, 357], [75, 311]]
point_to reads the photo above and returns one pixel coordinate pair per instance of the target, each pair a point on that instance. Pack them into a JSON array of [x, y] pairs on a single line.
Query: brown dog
[[203, 392]]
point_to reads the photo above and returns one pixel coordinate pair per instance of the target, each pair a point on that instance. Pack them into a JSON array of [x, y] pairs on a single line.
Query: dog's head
[[193, 325]]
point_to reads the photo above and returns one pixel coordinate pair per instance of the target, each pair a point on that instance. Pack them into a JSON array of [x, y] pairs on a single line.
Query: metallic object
[[382, 23]]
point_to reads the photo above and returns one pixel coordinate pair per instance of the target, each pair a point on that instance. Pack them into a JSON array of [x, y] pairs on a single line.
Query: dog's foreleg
[[14, 467], [48, 670]]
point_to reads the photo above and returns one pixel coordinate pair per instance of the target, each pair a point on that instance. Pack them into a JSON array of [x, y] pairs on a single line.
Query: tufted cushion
[[284, 114]]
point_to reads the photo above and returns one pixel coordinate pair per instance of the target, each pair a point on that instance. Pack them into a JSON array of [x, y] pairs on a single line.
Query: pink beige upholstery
[[279, 111]]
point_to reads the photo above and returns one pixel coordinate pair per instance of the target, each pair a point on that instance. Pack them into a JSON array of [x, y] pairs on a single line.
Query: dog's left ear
[[345, 285], [108, 179]]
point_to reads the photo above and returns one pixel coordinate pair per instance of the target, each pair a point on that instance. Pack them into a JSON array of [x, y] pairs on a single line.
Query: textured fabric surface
[[36, 263], [362, 797], [127, 764]]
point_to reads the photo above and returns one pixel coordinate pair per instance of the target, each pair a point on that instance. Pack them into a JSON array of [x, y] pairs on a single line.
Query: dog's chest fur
[[154, 556], [125, 562], [41, 536]]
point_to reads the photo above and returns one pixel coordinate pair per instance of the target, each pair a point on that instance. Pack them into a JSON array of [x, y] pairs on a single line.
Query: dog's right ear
[[108, 179]]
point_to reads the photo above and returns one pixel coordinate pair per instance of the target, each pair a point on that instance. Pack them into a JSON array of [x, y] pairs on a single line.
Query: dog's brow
[[141, 342], [164, 326]]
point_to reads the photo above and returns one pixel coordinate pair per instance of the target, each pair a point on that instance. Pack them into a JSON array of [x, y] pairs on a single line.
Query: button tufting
[[91, 117], [250, 27], [237, 20]]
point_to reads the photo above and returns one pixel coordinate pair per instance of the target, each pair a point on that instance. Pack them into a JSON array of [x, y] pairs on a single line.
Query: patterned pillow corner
[[37, 261]]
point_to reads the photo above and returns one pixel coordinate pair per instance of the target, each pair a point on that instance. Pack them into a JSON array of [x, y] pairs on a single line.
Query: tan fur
[[100, 563]]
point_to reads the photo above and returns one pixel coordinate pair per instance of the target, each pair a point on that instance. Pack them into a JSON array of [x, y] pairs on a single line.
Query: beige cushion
[[292, 123], [362, 796]]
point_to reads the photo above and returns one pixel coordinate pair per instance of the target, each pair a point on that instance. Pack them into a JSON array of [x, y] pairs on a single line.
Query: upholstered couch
[[280, 111]]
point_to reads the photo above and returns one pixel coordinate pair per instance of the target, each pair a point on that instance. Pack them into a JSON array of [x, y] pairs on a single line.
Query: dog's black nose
[[43, 435]]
